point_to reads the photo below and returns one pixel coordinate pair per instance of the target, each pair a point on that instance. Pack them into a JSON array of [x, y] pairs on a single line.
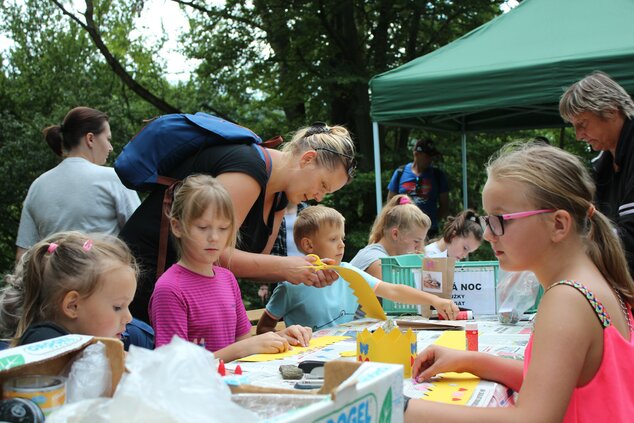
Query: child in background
[[197, 300], [320, 230], [461, 235], [579, 362], [69, 283], [400, 228]]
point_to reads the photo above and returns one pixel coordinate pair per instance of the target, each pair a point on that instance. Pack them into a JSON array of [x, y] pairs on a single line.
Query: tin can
[[48, 392], [20, 410]]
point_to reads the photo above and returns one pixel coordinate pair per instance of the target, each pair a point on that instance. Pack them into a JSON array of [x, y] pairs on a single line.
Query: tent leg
[[377, 167], [464, 169]]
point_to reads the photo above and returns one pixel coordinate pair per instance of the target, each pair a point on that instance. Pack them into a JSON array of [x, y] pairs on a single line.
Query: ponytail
[[601, 237], [462, 225], [399, 212], [12, 301]]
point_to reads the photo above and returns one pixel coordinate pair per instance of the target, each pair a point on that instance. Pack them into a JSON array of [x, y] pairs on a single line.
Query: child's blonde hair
[[465, 223], [312, 218], [192, 198], [401, 213], [63, 262], [558, 180], [333, 143]]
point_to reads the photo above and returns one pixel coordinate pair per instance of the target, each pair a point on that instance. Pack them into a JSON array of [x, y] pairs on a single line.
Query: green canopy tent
[[507, 74]]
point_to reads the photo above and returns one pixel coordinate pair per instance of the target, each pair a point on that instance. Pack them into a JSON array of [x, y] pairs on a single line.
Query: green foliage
[[271, 65]]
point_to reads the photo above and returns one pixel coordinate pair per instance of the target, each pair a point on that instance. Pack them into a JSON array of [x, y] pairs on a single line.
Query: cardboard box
[[352, 392], [51, 357]]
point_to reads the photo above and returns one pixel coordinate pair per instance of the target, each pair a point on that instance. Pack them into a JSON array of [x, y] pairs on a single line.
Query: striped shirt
[[197, 307]]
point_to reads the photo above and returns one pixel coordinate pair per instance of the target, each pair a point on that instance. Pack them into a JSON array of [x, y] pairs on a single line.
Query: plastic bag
[[90, 375], [516, 293], [177, 382]]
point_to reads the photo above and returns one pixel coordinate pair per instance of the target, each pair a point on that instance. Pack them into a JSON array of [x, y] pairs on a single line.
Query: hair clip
[[317, 128], [87, 245], [52, 247], [404, 200]]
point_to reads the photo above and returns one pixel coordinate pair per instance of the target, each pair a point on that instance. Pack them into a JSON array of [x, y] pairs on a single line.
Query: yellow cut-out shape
[[315, 343], [452, 388], [364, 293], [350, 353], [392, 347]]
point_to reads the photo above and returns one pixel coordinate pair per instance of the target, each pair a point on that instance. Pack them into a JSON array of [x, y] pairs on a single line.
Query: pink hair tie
[[404, 200], [87, 245], [52, 247], [591, 211]]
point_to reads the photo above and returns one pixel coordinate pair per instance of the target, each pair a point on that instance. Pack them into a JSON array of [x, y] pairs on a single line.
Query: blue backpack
[[168, 140]]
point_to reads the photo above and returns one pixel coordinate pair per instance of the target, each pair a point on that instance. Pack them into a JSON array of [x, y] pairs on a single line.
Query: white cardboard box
[[369, 393], [51, 357]]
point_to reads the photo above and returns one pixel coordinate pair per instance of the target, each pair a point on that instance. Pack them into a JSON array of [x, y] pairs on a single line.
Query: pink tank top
[[609, 396]]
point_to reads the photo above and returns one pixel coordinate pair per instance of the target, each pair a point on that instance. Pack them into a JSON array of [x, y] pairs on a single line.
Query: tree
[[314, 59]]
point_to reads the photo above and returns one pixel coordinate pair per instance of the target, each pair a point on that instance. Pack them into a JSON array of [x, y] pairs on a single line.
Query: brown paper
[[437, 277]]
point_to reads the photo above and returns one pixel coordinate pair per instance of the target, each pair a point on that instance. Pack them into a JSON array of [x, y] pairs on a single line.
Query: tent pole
[[464, 166], [377, 167]]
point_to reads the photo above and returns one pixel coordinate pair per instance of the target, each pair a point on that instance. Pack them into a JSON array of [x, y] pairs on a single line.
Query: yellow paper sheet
[[452, 388], [364, 293], [315, 343]]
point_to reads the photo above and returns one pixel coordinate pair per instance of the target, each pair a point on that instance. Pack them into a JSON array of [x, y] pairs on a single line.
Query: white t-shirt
[[75, 195], [433, 251]]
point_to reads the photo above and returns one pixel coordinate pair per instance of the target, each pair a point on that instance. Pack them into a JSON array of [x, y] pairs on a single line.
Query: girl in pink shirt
[[199, 301], [579, 363]]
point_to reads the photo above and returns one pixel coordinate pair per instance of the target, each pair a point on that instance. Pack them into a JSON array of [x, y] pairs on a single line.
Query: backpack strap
[[168, 198], [399, 175], [598, 308]]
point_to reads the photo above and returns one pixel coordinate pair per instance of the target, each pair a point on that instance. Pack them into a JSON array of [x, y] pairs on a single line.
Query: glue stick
[[471, 334]]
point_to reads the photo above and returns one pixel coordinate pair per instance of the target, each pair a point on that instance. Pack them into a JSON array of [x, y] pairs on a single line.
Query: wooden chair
[[254, 318]]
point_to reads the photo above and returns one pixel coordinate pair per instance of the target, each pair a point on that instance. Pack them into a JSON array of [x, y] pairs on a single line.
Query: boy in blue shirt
[[320, 230]]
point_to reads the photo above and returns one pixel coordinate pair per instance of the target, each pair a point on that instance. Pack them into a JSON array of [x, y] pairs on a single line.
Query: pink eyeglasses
[[495, 222]]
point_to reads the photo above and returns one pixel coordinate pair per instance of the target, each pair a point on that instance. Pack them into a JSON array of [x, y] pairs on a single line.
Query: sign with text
[[474, 288]]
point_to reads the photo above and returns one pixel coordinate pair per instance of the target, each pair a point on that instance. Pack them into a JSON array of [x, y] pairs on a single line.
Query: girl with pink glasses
[[579, 362]]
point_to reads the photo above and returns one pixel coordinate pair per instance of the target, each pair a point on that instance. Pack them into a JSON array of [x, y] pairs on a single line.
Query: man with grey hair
[[602, 113]]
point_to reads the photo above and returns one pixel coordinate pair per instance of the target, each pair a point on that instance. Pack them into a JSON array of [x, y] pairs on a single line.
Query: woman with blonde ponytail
[[579, 362]]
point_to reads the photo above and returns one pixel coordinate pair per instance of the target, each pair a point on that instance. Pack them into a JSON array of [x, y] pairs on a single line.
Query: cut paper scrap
[[315, 343], [350, 353], [364, 293], [450, 387]]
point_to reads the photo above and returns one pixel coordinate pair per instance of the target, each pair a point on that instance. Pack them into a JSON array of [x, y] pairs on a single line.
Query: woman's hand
[[299, 270], [446, 308], [297, 335], [435, 359]]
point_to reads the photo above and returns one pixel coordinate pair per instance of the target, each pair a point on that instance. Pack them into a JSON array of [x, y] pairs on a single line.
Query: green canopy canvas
[[509, 73]]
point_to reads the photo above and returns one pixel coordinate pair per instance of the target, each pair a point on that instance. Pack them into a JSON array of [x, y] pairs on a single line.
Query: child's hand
[[434, 360], [298, 271], [297, 335], [446, 308], [267, 343]]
